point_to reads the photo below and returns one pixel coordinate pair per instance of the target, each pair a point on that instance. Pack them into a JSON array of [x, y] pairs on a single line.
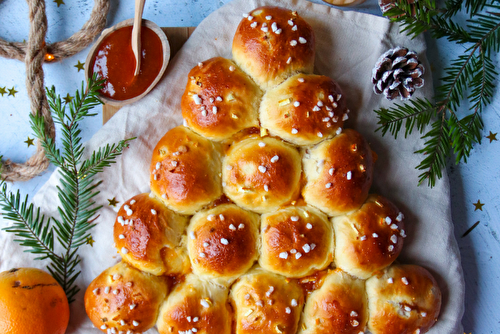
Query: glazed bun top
[[370, 238], [220, 99], [195, 306], [145, 231], [123, 298], [339, 173], [261, 174], [185, 170], [264, 302], [304, 110], [223, 242], [339, 306], [403, 299], [273, 43], [296, 241]]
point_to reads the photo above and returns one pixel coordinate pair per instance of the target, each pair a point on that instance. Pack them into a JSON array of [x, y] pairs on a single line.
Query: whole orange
[[31, 301]]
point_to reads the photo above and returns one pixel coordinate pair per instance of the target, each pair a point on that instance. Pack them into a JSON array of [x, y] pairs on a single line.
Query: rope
[[33, 54]]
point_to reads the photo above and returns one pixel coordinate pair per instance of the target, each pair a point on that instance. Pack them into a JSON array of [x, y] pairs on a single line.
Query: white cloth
[[348, 45]]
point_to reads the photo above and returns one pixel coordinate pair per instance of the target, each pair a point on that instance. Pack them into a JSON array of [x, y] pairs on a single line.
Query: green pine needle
[[78, 187], [417, 113], [470, 77], [29, 225], [437, 148]]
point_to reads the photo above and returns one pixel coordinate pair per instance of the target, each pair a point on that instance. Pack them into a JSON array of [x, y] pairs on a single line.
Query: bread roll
[[370, 238], [339, 173], [296, 241], [148, 236], [220, 99], [338, 307], [185, 170], [123, 298], [266, 303], [403, 299], [261, 174], [304, 110], [195, 306], [273, 43], [223, 242]]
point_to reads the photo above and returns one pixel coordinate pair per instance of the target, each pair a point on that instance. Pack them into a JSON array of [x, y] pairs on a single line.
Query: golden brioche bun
[[185, 170], [223, 242], [273, 43], [264, 302], [195, 306], [123, 298], [370, 238], [296, 241], [339, 173], [304, 110], [261, 174], [403, 299], [148, 236], [339, 306], [220, 99]]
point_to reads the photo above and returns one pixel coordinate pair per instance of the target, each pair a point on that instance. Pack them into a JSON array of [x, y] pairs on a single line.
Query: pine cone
[[385, 5], [398, 72]]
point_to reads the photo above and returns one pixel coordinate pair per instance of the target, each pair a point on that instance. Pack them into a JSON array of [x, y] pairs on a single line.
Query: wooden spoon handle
[[136, 34]]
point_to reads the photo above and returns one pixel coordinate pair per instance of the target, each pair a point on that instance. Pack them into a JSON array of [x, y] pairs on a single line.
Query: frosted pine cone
[[398, 72], [386, 5]]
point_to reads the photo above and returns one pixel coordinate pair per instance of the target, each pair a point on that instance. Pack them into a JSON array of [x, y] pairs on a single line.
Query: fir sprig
[[77, 210], [470, 77]]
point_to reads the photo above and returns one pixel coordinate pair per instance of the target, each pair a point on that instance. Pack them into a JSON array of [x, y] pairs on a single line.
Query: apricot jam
[[115, 62]]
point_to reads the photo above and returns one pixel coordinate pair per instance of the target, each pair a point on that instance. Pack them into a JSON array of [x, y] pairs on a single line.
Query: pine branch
[[475, 6], [419, 17], [35, 232], [472, 7], [460, 137], [455, 84], [415, 18], [77, 189], [74, 209], [51, 152], [485, 30], [452, 7], [469, 77], [481, 92], [417, 114], [104, 157], [443, 26], [482, 85], [436, 150]]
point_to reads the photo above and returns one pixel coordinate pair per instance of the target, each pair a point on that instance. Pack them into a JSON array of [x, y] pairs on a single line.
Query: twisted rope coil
[[33, 54]]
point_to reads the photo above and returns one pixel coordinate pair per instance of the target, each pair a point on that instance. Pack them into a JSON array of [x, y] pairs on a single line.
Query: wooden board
[[177, 36]]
